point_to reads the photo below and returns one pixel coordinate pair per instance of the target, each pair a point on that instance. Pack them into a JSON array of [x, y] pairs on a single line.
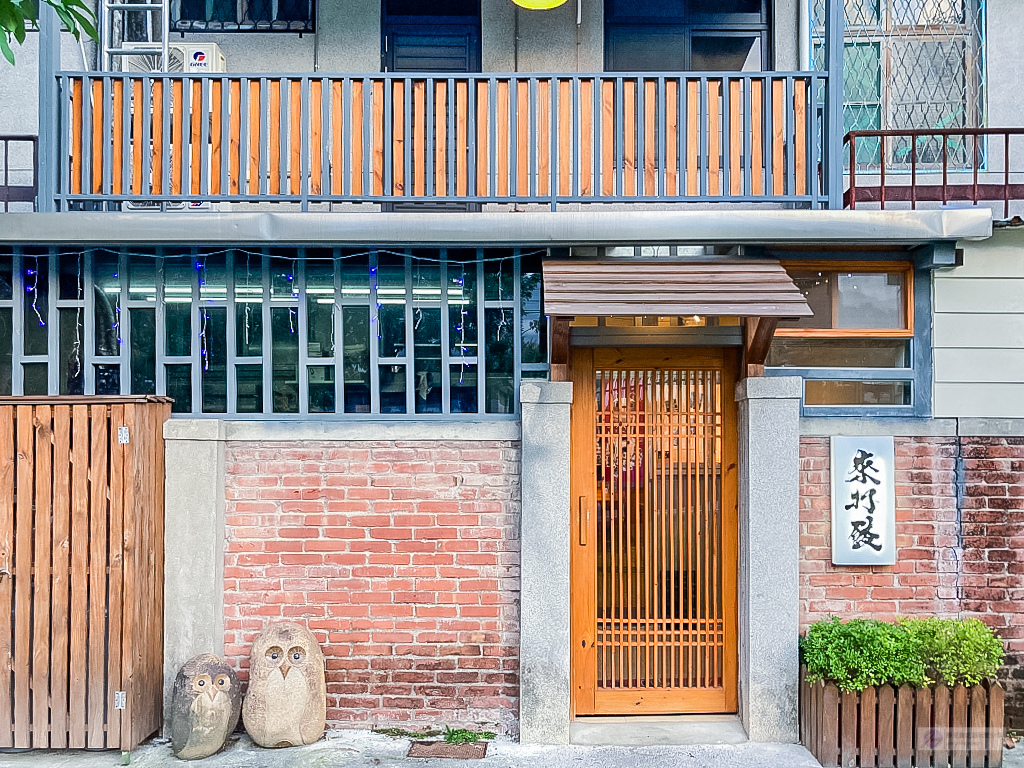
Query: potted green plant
[[914, 692]]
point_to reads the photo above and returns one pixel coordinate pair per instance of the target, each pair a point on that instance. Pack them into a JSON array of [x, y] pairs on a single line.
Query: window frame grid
[[918, 372], [162, 256]]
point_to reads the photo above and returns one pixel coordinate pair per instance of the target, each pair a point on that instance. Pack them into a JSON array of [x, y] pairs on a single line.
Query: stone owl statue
[[286, 704], [204, 706]]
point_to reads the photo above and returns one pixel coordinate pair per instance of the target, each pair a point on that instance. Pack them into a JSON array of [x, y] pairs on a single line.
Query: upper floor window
[[243, 15], [686, 35], [910, 64]]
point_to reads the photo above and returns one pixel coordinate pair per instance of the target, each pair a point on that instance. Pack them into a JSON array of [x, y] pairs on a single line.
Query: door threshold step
[[646, 731]]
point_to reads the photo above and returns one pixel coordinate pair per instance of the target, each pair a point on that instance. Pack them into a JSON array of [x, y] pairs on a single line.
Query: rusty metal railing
[[942, 165]]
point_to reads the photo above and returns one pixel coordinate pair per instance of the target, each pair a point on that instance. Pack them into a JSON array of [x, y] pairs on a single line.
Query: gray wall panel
[[991, 401], [992, 331], [983, 366], [979, 330], [979, 295]]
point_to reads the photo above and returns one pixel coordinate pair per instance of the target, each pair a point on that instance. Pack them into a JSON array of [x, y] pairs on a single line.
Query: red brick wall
[[960, 538], [993, 543], [403, 560], [925, 578]]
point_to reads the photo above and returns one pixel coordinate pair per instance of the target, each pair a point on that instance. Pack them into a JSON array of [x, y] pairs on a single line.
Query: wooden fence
[[467, 138], [903, 727], [81, 570]]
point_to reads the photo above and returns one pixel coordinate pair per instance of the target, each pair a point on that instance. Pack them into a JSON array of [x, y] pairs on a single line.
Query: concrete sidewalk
[[363, 749]]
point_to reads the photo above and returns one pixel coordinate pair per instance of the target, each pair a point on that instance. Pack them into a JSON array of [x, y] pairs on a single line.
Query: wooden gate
[[654, 531], [81, 570]]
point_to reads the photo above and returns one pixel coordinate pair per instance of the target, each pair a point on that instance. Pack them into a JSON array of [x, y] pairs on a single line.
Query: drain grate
[[471, 751]]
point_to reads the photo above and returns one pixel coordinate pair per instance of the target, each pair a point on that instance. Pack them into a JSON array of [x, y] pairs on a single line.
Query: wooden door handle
[[583, 519]]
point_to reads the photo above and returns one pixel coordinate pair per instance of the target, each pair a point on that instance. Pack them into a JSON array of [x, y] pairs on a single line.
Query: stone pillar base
[[769, 556], [544, 696]]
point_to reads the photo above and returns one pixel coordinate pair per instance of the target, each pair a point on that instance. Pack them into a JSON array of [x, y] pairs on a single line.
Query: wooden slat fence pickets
[[886, 726], [544, 138], [81, 570]]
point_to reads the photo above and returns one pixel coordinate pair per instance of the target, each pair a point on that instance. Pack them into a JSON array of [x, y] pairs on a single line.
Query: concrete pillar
[[544, 566], [769, 554], [194, 543]]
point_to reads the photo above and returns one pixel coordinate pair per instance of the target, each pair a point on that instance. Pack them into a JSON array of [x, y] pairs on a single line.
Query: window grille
[[278, 331], [243, 15], [910, 64]]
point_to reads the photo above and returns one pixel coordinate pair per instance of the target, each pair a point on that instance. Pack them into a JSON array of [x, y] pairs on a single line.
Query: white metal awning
[[594, 226]]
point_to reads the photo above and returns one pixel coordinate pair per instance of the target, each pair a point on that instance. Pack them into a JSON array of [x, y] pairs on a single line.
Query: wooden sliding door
[[654, 531]]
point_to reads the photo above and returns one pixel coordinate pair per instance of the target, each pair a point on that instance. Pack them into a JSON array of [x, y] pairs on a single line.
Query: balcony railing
[[948, 166], [550, 139], [19, 161]]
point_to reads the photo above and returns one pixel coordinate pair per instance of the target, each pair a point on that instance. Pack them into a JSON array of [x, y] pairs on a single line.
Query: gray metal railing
[[175, 139], [19, 175]]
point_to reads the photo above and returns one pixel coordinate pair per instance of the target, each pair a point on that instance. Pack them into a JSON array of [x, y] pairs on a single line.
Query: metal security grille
[[910, 64], [278, 331], [243, 15], [661, 610]]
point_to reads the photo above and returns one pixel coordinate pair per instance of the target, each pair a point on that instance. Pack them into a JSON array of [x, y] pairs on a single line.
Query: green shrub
[[858, 653], [861, 652], [957, 651]]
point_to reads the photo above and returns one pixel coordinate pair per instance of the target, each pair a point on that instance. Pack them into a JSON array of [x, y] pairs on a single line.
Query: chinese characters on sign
[[863, 501]]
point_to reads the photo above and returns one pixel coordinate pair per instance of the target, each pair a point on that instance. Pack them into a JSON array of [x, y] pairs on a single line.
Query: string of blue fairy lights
[[484, 256]]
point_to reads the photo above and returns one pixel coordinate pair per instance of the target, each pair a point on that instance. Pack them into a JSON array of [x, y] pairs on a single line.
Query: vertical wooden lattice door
[[654, 554]]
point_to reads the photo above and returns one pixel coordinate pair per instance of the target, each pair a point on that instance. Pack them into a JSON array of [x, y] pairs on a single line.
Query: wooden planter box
[[903, 727]]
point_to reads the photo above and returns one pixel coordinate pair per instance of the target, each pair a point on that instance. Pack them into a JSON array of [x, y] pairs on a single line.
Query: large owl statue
[[204, 706], [286, 704]]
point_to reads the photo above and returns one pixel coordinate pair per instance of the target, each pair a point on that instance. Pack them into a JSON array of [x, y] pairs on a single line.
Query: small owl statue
[[286, 704], [204, 706]]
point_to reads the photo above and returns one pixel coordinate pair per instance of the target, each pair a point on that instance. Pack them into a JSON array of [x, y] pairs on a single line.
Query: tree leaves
[[15, 15], [12, 23]]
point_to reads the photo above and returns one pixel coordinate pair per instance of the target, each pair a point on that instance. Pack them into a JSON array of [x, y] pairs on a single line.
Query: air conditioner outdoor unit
[[181, 57]]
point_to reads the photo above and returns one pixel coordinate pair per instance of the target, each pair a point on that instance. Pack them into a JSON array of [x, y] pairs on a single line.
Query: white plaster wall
[[348, 41], [19, 84], [1005, 64], [978, 332]]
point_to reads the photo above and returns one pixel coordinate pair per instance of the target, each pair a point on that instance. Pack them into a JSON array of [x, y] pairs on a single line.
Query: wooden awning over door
[[737, 288]]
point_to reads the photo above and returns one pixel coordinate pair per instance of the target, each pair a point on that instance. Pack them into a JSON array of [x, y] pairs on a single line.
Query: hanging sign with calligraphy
[[863, 501]]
